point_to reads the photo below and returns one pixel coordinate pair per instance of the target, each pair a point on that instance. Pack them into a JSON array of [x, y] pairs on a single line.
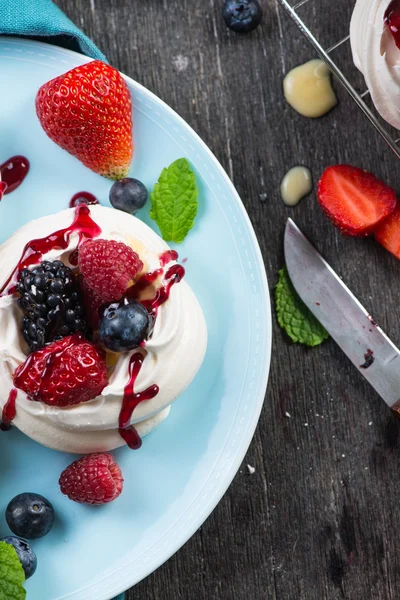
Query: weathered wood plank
[[320, 517]]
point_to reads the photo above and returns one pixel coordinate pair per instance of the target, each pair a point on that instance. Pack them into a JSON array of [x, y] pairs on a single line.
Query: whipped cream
[[173, 354], [376, 55]]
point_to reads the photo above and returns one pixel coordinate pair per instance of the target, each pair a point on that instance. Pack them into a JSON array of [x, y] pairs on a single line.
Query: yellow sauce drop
[[296, 184], [308, 89], [111, 361]]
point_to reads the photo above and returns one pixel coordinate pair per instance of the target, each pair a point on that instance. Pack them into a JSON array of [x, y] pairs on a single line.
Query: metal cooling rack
[[325, 54]]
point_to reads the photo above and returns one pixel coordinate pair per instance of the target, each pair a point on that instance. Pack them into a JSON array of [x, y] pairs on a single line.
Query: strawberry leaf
[[12, 574], [174, 201], [294, 316]]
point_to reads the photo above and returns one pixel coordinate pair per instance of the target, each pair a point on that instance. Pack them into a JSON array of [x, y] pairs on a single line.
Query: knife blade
[[343, 316]]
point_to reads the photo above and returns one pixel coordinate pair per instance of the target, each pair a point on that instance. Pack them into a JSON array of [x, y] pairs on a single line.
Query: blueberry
[[242, 15], [124, 326], [30, 516], [129, 195], [26, 555]]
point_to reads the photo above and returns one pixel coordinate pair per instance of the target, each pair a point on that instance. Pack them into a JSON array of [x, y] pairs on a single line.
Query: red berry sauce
[[144, 282], [168, 257], [392, 20], [82, 198], [13, 171], [131, 400], [35, 249], [174, 274], [9, 411]]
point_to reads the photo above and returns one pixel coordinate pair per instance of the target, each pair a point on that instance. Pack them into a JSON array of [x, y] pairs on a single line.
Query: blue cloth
[[43, 20]]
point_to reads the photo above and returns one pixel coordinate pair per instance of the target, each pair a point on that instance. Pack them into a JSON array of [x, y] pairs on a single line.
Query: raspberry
[[92, 479], [92, 303], [108, 267], [66, 372]]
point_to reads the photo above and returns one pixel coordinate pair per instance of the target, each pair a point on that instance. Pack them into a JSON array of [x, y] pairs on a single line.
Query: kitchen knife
[[342, 315]]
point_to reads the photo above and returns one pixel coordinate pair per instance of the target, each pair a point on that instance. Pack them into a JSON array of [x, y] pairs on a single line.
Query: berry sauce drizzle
[[131, 400], [174, 274], [35, 249], [12, 173], [392, 20], [9, 411], [168, 257], [82, 198]]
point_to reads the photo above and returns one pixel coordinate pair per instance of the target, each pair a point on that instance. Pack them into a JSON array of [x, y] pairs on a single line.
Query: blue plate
[[185, 466]]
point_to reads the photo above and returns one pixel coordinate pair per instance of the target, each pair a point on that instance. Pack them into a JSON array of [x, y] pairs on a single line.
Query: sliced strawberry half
[[355, 200], [388, 233]]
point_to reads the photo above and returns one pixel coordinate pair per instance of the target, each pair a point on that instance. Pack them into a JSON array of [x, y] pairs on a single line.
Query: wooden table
[[320, 517]]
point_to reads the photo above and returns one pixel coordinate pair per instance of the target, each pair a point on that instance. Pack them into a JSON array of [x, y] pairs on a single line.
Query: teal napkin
[[43, 20]]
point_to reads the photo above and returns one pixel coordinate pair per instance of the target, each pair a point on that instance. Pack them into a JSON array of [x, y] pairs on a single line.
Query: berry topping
[[129, 195], [108, 267], [242, 16], [92, 303], [66, 372], [392, 20], [30, 516], [354, 200], [93, 479], [87, 111], [125, 326], [26, 555], [388, 233], [51, 303]]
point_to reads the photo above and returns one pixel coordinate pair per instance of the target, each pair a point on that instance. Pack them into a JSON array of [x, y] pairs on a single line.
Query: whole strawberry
[[66, 372], [92, 479], [88, 112]]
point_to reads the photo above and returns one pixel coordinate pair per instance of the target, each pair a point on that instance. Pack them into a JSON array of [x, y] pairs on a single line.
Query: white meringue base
[[174, 353], [376, 55]]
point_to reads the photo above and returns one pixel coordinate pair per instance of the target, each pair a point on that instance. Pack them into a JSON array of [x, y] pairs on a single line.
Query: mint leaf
[[174, 201], [12, 575], [294, 316]]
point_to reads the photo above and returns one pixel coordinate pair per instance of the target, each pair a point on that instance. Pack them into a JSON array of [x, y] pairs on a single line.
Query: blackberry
[[51, 303]]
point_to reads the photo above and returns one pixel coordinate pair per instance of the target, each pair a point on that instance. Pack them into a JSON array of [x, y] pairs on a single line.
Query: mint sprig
[[174, 201], [294, 316], [12, 575]]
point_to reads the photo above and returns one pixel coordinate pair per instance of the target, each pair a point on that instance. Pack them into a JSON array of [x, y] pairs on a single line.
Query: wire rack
[[294, 11]]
